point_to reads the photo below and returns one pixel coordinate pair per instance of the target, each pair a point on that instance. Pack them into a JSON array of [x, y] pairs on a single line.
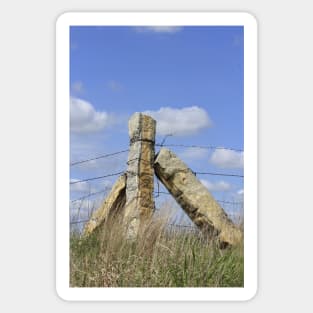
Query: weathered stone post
[[140, 172], [114, 203], [194, 198]]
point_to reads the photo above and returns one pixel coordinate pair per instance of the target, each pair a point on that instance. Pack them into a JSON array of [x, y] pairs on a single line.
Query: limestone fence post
[[194, 198], [140, 172]]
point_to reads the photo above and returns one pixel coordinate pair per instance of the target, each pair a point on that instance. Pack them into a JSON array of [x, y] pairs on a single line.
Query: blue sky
[[190, 79]]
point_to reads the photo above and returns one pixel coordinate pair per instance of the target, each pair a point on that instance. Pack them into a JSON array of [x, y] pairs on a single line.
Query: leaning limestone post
[[140, 172], [194, 198], [114, 202]]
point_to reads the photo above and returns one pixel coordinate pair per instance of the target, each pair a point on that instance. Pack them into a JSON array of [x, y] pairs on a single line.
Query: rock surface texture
[[114, 202], [140, 172], [194, 198]]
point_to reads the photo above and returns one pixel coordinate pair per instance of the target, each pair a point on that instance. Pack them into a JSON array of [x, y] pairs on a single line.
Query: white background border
[[62, 156]]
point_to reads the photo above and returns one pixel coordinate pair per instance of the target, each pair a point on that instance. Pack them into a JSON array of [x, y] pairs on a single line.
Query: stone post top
[[141, 126], [170, 163], [165, 151], [138, 115], [167, 155]]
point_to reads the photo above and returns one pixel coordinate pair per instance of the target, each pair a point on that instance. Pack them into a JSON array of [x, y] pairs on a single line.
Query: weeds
[[159, 257]]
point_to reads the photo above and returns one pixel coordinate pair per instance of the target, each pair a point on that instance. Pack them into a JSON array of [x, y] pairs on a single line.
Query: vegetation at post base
[[159, 257]]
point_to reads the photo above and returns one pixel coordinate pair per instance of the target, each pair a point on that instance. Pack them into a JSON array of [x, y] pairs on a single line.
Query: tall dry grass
[[160, 257]]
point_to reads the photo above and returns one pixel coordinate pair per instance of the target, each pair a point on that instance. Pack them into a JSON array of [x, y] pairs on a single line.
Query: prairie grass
[[159, 257]]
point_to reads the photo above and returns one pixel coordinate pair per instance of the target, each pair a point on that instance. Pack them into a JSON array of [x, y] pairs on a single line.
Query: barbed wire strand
[[218, 174], [89, 195], [195, 146], [221, 201], [119, 173], [98, 157], [94, 178], [78, 222], [162, 144]]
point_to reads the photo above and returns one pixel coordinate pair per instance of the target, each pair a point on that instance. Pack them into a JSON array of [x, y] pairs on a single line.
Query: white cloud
[[84, 117], [194, 154], [184, 121], [158, 29], [240, 192], [224, 158], [217, 186], [239, 195]]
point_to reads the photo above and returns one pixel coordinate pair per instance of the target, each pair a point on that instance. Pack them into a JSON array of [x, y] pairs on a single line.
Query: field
[[160, 257]]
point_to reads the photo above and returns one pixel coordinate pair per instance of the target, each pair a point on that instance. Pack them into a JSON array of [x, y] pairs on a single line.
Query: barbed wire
[[139, 159], [79, 222], [120, 173], [230, 202], [87, 220], [89, 195], [218, 174], [95, 178], [162, 144], [181, 225], [156, 195], [98, 157], [221, 201], [156, 209], [171, 224], [195, 146]]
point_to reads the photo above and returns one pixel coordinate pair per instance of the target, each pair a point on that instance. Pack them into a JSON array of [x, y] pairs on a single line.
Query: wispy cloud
[[224, 158], [84, 117], [240, 195], [77, 87], [158, 29], [216, 186], [79, 186], [240, 192], [194, 154], [180, 122], [85, 187], [114, 85]]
